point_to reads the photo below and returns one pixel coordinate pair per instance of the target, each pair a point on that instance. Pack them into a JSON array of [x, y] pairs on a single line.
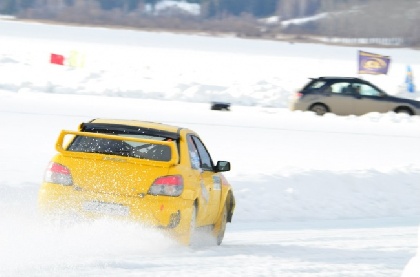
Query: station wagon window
[[315, 84], [341, 88], [367, 90]]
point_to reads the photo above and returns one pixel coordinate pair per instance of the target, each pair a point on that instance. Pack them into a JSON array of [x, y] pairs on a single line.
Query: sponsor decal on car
[[204, 191], [217, 183]]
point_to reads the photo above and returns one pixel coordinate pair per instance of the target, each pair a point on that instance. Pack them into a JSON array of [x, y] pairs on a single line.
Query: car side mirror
[[222, 166]]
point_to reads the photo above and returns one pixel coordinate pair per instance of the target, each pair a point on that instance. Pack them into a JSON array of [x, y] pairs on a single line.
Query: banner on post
[[57, 59], [409, 80], [370, 63], [76, 59]]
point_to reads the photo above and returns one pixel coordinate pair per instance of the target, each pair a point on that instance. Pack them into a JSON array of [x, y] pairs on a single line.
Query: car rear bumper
[[297, 106], [63, 202]]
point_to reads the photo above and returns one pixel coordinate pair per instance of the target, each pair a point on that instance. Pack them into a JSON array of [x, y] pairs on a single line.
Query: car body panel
[[339, 104], [365, 104], [105, 184], [211, 195]]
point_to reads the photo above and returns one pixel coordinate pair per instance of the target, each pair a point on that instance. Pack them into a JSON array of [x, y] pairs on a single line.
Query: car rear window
[[156, 152], [314, 85]]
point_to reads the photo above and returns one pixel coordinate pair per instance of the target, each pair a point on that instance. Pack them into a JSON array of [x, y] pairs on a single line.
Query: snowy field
[[316, 196]]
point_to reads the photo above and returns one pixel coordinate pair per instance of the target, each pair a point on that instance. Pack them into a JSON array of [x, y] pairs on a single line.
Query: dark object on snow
[[220, 106]]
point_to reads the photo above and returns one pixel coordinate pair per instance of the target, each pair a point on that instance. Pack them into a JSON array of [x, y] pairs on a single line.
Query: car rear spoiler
[[62, 143]]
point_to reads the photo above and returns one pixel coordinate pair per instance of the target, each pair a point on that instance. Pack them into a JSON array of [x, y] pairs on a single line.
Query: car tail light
[[298, 95], [172, 185], [58, 174]]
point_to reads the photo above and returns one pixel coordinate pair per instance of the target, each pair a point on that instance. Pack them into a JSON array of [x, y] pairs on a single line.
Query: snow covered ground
[[316, 196]]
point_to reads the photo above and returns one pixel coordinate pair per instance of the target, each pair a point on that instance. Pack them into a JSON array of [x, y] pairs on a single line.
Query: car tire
[[193, 238], [404, 111], [222, 223], [319, 109]]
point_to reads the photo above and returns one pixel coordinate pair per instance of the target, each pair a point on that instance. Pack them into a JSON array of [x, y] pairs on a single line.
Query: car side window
[[341, 88], [367, 90], [193, 153], [205, 159], [314, 85]]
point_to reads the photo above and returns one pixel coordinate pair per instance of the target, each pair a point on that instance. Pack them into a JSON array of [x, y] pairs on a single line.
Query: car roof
[[137, 123], [338, 78], [341, 78]]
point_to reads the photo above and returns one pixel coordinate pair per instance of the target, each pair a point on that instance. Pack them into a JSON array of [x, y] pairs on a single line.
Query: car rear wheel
[[319, 109], [223, 221], [404, 111], [192, 227]]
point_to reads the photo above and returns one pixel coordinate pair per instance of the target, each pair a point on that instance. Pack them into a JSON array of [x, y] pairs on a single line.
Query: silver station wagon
[[349, 96]]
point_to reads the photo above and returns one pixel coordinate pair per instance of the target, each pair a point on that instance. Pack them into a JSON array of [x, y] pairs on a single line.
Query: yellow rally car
[[156, 174]]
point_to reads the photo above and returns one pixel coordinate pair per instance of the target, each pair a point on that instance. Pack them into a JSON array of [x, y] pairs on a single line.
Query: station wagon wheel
[[223, 223], [404, 111], [319, 109]]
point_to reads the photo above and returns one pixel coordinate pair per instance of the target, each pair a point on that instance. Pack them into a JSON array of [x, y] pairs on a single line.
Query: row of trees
[[342, 18], [210, 8]]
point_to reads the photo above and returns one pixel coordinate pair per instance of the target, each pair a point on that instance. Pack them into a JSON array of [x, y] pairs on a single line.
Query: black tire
[[404, 111], [319, 109], [221, 234], [193, 231]]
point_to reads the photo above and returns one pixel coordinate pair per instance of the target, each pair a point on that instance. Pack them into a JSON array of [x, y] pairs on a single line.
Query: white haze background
[[316, 196]]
